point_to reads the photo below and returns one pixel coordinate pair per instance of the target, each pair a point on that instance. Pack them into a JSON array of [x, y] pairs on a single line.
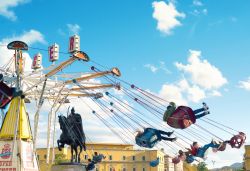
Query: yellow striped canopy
[[8, 127]]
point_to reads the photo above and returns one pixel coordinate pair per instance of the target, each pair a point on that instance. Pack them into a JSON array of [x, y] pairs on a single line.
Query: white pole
[[36, 119], [54, 131], [49, 124]]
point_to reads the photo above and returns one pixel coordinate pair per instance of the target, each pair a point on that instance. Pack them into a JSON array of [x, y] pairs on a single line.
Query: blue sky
[[125, 34]]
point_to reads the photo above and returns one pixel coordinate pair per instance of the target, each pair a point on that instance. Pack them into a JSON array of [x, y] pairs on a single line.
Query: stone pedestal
[[68, 167]]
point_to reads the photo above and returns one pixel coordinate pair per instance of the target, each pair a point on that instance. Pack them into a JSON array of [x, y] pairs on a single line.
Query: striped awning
[[8, 127]]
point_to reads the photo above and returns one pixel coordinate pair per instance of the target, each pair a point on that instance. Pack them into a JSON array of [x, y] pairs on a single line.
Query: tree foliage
[[202, 166], [59, 158]]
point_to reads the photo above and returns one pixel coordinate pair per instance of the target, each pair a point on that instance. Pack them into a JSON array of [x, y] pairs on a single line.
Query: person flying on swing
[[91, 165], [198, 112], [150, 136], [183, 156], [182, 117], [199, 151], [155, 163], [97, 158]]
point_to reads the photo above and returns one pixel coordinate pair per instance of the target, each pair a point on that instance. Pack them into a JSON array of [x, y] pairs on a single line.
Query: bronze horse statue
[[72, 134]]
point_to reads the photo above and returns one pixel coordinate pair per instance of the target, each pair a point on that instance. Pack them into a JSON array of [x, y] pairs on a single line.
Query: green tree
[[59, 158], [202, 166]]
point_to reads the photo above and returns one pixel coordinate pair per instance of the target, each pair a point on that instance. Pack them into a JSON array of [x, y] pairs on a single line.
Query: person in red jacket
[[199, 151]]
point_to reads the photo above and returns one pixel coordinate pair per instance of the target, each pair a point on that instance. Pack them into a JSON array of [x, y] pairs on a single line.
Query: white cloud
[[215, 93], [6, 5], [245, 84], [172, 93], [151, 67], [166, 16], [202, 72], [204, 81], [154, 68], [182, 92], [197, 3], [73, 28], [30, 37], [195, 94]]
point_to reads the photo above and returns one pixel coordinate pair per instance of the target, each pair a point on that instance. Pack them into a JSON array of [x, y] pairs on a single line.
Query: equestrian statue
[[72, 134]]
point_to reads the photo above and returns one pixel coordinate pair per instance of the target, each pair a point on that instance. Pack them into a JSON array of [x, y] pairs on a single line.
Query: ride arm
[[76, 56], [60, 67], [114, 71], [96, 87]]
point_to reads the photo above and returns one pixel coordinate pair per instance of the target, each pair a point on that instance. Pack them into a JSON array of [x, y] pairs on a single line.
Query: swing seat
[[182, 118], [147, 139], [201, 154], [182, 157], [176, 160], [155, 163], [98, 158], [190, 159], [91, 166], [238, 140], [6, 94], [222, 146]]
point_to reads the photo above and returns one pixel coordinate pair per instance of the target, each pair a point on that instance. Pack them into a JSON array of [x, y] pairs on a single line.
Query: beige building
[[247, 158], [169, 166], [119, 157]]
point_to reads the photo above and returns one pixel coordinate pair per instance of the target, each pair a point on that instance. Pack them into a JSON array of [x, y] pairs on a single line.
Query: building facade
[[119, 157], [169, 166], [247, 158]]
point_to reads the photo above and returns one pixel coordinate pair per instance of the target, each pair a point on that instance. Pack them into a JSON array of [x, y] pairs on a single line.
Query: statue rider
[[73, 117], [72, 112]]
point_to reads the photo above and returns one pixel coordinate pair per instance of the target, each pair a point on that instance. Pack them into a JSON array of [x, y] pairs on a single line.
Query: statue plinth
[[68, 167]]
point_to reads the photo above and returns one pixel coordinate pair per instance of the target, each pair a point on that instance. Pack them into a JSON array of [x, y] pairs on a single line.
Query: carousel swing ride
[[133, 110]]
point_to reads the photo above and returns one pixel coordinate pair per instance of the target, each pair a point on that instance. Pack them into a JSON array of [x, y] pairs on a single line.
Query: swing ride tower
[[17, 144], [15, 136]]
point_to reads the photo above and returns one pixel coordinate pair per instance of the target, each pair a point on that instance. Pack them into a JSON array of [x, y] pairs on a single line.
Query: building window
[[110, 157], [143, 169], [123, 157], [37, 157], [143, 159], [85, 157], [133, 158], [124, 169], [134, 169], [45, 156]]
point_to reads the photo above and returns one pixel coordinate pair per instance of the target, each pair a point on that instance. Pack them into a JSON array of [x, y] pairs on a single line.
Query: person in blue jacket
[[150, 136], [91, 165], [97, 158], [155, 163], [199, 151]]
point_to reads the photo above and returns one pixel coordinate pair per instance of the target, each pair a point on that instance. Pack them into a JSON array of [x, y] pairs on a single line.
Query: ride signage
[[7, 162], [23, 160]]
